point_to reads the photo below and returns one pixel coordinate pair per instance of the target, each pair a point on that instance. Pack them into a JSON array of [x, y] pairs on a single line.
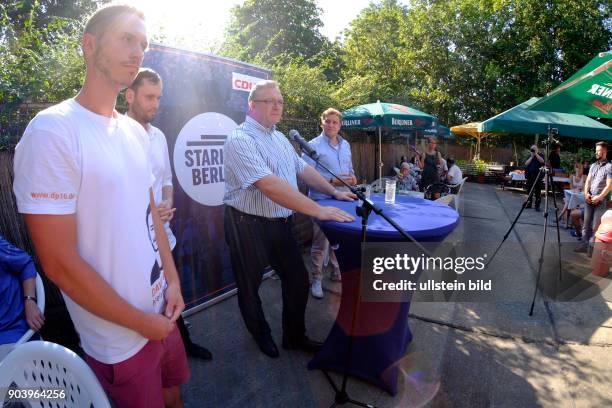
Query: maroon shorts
[[138, 381]]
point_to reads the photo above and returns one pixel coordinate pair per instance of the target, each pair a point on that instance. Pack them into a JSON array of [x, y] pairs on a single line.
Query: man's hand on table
[[334, 214], [344, 196]]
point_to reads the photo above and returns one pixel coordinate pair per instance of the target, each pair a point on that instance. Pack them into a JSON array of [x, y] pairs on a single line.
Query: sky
[[199, 25]]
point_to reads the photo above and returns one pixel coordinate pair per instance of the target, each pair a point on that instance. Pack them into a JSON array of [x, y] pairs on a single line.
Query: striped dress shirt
[[252, 152]]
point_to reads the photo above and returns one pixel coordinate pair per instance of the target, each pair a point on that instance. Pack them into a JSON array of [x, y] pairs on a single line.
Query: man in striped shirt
[[261, 194]]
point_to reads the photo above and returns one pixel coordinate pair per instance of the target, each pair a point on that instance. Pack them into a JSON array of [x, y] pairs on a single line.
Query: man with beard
[[596, 189], [83, 181], [143, 98]]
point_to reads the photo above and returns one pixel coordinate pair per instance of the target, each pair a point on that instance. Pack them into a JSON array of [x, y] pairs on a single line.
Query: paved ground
[[462, 355]]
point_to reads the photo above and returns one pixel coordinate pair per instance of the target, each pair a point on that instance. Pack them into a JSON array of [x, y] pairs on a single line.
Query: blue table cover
[[381, 334]]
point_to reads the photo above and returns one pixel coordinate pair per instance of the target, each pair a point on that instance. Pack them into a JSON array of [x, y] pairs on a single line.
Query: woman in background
[[577, 180], [429, 162]]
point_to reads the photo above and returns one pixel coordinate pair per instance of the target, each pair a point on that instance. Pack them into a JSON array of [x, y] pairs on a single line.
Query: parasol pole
[[380, 163]]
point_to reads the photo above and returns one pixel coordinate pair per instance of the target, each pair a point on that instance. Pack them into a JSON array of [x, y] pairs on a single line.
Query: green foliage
[[374, 49], [480, 166], [464, 60], [462, 164], [586, 154], [460, 60], [567, 161], [40, 54], [305, 90], [274, 31]]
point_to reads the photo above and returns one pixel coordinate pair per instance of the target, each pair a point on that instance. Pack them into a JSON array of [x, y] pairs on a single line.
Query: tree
[[305, 90], [473, 59], [273, 32], [372, 51], [40, 56]]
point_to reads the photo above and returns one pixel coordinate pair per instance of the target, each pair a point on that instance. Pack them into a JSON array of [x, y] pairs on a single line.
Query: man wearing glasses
[[261, 194]]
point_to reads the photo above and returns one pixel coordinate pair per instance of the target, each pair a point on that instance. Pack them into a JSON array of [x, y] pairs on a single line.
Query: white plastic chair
[[456, 189], [40, 301], [447, 199], [48, 366]]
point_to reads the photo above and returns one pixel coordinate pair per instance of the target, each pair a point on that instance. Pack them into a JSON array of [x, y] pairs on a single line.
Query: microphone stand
[[364, 210]]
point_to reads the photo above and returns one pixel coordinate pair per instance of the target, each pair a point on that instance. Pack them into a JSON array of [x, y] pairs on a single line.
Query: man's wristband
[[28, 297]]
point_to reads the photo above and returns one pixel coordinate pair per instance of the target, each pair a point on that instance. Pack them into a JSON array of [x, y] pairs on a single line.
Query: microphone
[[306, 148]]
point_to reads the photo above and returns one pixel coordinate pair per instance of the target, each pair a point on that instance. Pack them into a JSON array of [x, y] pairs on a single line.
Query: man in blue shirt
[[261, 194], [18, 309], [335, 153], [596, 189]]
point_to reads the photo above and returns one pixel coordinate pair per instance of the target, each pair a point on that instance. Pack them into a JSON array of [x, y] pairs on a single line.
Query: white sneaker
[[316, 290]]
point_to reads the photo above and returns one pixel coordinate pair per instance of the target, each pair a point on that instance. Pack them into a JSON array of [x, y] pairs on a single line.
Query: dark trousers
[[255, 242], [537, 191], [592, 219]]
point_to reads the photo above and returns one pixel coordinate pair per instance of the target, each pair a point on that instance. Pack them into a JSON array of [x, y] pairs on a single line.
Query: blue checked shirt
[[252, 152], [600, 172], [336, 158]]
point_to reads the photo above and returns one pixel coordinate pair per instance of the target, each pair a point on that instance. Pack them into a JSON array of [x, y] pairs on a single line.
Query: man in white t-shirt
[[83, 181], [143, 97], [454, 175]]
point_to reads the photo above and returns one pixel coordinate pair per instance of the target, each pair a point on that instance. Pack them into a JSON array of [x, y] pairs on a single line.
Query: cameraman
[[533, 163]]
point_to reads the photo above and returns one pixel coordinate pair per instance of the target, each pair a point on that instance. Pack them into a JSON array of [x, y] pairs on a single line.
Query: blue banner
[[204, 99]]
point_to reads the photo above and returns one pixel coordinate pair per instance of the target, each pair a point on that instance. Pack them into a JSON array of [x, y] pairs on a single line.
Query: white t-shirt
[[455, 172], [73, 161], [162, 171]]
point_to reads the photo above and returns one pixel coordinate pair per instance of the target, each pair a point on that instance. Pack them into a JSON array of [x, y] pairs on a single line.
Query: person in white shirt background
[[143, 98], [454, 175]]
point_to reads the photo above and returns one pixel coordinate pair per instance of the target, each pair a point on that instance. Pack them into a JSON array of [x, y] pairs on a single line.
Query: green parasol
[[521, 119], [387, 115], [587, 92]]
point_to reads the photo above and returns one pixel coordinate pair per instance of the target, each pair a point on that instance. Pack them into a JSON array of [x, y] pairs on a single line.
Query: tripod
[[545, 174], [364, 210]]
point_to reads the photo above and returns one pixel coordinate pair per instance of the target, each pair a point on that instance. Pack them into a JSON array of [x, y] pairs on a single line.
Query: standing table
[[381, 334]]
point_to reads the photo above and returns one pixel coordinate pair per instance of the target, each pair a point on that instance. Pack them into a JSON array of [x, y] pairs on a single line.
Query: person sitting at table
[[577, 180], [18, 309], [405, 180], [454, 175]]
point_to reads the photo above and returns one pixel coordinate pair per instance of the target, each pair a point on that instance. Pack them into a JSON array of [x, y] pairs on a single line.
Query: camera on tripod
[[552, 132]]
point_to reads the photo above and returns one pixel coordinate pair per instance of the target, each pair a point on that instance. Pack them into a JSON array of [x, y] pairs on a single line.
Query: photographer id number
[[34, 393]]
